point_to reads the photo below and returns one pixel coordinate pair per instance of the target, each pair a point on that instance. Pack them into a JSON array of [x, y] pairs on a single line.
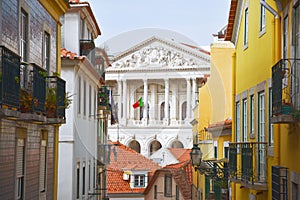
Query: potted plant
[[51, 102], [25, 101]]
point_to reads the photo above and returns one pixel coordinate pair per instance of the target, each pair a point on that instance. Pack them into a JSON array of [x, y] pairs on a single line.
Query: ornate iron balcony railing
[[56, 99], [285, 88], [248, 161], [9, 78], [33, 88]]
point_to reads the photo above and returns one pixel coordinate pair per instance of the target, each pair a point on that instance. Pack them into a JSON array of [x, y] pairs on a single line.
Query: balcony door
[[261, 157]]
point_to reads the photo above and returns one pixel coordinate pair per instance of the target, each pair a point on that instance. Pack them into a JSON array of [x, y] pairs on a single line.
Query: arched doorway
[[162, 110], [135, 145], [154, 146]]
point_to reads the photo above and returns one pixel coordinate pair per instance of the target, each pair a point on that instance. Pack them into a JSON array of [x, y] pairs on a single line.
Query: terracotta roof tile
[[231, 19], [127, 159], [64, 53], [180, 154]]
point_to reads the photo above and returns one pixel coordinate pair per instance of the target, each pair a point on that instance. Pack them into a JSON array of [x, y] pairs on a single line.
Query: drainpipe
[[277, 56], [233, 188]]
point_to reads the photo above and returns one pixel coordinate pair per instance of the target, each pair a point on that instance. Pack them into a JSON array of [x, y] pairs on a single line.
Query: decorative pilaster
[[166, 119], [188, 98], [119, 99], [132, 100], [145, 100], [174, 111], [194, 92], [153, 107], [125, 103]]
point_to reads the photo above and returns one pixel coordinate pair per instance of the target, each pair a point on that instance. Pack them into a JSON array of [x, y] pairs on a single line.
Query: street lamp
[[196, 155]]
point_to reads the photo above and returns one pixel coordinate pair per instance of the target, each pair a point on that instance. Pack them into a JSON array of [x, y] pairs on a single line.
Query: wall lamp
[[215, 169]]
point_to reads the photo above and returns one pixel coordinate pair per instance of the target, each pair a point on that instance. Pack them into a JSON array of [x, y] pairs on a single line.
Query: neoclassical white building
[[158, 71]]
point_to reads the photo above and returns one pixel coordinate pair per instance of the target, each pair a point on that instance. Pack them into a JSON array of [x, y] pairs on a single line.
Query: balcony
[[56, 100], [9, 82], [285, 91], [248, 164], [86, 46]]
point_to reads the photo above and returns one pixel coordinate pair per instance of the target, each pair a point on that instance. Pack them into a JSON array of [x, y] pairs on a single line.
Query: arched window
[[142, 112], [162, 110], [183, 111], [135, 145], [154, 146], [177, 144]]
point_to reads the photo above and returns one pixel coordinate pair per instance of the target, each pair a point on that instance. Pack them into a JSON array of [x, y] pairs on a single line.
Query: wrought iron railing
[[248, 162], [33, 88], [56, 98], [285, 86], [9, 78]]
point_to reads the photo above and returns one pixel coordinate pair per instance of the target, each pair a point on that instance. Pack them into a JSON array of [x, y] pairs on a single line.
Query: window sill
[[262, 32]]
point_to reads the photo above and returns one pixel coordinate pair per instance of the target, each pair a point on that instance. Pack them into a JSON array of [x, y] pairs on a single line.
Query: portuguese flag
[[139, 103]]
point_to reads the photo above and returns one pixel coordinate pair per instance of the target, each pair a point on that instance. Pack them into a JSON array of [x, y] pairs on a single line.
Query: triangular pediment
[[157, 53]]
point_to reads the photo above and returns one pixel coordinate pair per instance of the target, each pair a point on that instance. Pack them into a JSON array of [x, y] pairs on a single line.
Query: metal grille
[[9, 78], [279, 183]]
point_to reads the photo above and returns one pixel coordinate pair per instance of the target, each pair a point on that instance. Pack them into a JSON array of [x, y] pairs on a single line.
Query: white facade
[[77, 162], [158, 71]]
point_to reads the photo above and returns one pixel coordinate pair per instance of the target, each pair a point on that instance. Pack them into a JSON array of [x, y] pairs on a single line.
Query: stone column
[[125, 103], [166, 119], [153, 107], [188, 98], [174, 106], [145, 100], [132, 100], [119, 100], [194, 92]]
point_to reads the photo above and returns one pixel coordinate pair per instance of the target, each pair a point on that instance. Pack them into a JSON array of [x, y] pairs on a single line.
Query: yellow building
[[213, 117], [264, 152], [56, 9]]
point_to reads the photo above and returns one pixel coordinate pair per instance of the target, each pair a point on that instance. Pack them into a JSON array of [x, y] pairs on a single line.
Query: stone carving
[[155, 55]]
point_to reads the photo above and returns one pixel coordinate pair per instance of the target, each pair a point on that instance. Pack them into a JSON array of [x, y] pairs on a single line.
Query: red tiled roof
[[182, 174], [127, 159], [64, 53], [180, 154], [231, 18], [225, 124]]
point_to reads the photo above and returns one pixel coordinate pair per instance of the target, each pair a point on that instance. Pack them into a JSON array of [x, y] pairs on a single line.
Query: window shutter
[[43, 166], [20, 158]]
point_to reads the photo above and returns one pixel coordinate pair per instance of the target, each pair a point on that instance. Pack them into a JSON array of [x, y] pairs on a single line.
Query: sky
[[194, 19]]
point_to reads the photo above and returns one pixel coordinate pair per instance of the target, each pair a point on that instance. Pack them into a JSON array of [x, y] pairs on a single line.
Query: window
[[262, 18], [84, 97], [155, 192], [183, 111], [246, 27], [216, 149], [177, 192], [89, 177], [24, 35], [271, 126], [43, 163], [237, 125], [261, 137], [252, 114], [261, 117], [46, 52], [20, 165], [83, 179], [77, 180], [79, 94], [139, 180], [226, 149], [245, 121], [168, 185], [295, 30], [295, 192]]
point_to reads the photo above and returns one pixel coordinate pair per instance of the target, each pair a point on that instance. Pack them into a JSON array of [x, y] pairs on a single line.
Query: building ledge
[[262, 186], [283, 119]]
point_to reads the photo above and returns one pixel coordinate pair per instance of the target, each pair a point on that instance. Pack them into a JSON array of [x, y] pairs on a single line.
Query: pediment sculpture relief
[[155, 55]]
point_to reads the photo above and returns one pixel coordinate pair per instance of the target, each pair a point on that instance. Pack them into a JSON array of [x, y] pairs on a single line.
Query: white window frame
[[245, 120], [79, 94], [24, 34], [237, 125], [252, 114], [271, 126], [246, 27], [139, 180], [262, 25]]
